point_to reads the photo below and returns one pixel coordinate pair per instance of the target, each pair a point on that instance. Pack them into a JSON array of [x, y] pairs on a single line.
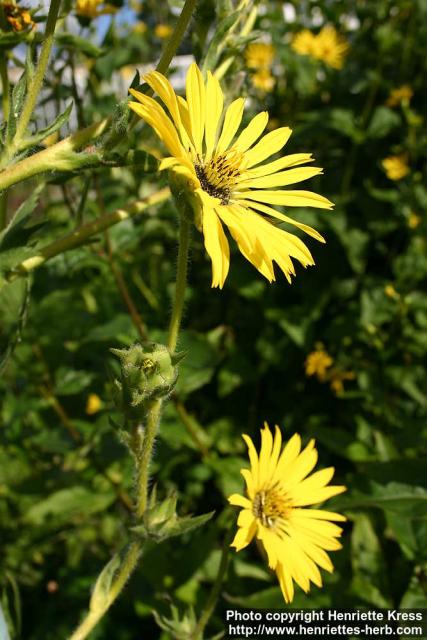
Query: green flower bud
[[148, 372]]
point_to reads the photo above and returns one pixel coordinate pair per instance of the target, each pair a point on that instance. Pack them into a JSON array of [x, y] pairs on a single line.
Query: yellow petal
[[239, 501], [253, 457], [232, 120], [281, 216], [265, 467], [282, 178], [216, 243], [289, 198], [243, 537], [267, 146], [196, 101], [246, 518], [252, 132], [318, 514], [214, 106], [284, 162]]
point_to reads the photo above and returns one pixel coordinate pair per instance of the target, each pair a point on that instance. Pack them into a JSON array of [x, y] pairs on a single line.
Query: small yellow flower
[[317, 362], [18, 18], [278, 490], [391, 292], [396, 167], [93, 404], [304, 43], [399, 95], [93, 8], [330, 47], [259, 55], [163, 31], [139, 27], [263, 81], [414, 220], [225, 174], [337, 379]]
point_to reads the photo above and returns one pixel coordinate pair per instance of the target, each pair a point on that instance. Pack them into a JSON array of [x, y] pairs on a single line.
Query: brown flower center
[[219, 175], [271, 507]]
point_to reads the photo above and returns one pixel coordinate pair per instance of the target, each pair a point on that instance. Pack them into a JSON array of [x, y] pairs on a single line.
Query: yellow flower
[[330, 47], [259, 55], [337, 379], [399, 95], [414, 220], [263, 80], [163, 31], [396, 167], [278, 487], [93, 8], [139, 27], [303, 42], [391, 292], [93, 404], [225, 176], [317, 362], [18, 18]]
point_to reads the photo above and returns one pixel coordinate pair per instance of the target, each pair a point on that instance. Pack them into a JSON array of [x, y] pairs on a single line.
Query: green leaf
[[100, 600], [64, 505], [76, 43], [382, 122], [41, 134]]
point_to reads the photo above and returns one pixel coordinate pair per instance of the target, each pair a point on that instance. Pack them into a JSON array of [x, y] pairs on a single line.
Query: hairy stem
[[177, 36], [143, 464], [181, 282], [126, 569], [37, 80]]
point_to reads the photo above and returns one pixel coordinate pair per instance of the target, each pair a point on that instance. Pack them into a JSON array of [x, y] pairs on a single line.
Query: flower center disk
[[218, 176], [271, 507]]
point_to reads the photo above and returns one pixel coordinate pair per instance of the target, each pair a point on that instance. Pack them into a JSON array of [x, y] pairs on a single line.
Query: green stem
[[58, 157], [3, 209], [143, 464], [91, 620], [37, 80], [216, 588], [4, 87], [82, 234], [181, 282], [177, 35]]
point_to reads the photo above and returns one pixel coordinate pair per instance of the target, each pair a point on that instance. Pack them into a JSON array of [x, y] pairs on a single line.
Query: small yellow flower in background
[[391, 292], [328, 46], [139, 27], [304, 43], [259, 55], [317, 362], [337, 378], [263, 80], [400, 95], [93, 404], [278, 487], [396, 167], [414, 220], [93, 8], [163, 31], [18, 18], [225, 174]]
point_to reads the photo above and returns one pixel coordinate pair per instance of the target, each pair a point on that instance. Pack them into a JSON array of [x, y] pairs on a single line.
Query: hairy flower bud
[[148, 372]]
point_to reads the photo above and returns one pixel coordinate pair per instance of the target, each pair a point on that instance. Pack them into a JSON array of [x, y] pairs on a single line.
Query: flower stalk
[[36, 81]]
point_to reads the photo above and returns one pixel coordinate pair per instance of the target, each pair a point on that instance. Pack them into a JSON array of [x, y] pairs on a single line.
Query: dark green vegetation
[[66, 480]]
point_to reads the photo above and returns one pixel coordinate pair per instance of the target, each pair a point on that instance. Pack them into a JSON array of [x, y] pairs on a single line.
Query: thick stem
[[177, 35], [37, 80], [128, 565], [82, 234], [181, 282], [143, 464], [4, 87]]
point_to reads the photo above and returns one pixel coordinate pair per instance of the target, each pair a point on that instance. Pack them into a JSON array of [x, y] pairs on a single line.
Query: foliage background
[[65, 479]]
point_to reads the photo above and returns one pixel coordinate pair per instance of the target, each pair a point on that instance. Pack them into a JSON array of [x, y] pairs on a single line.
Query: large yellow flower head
[[278, 487], [224, 173]]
